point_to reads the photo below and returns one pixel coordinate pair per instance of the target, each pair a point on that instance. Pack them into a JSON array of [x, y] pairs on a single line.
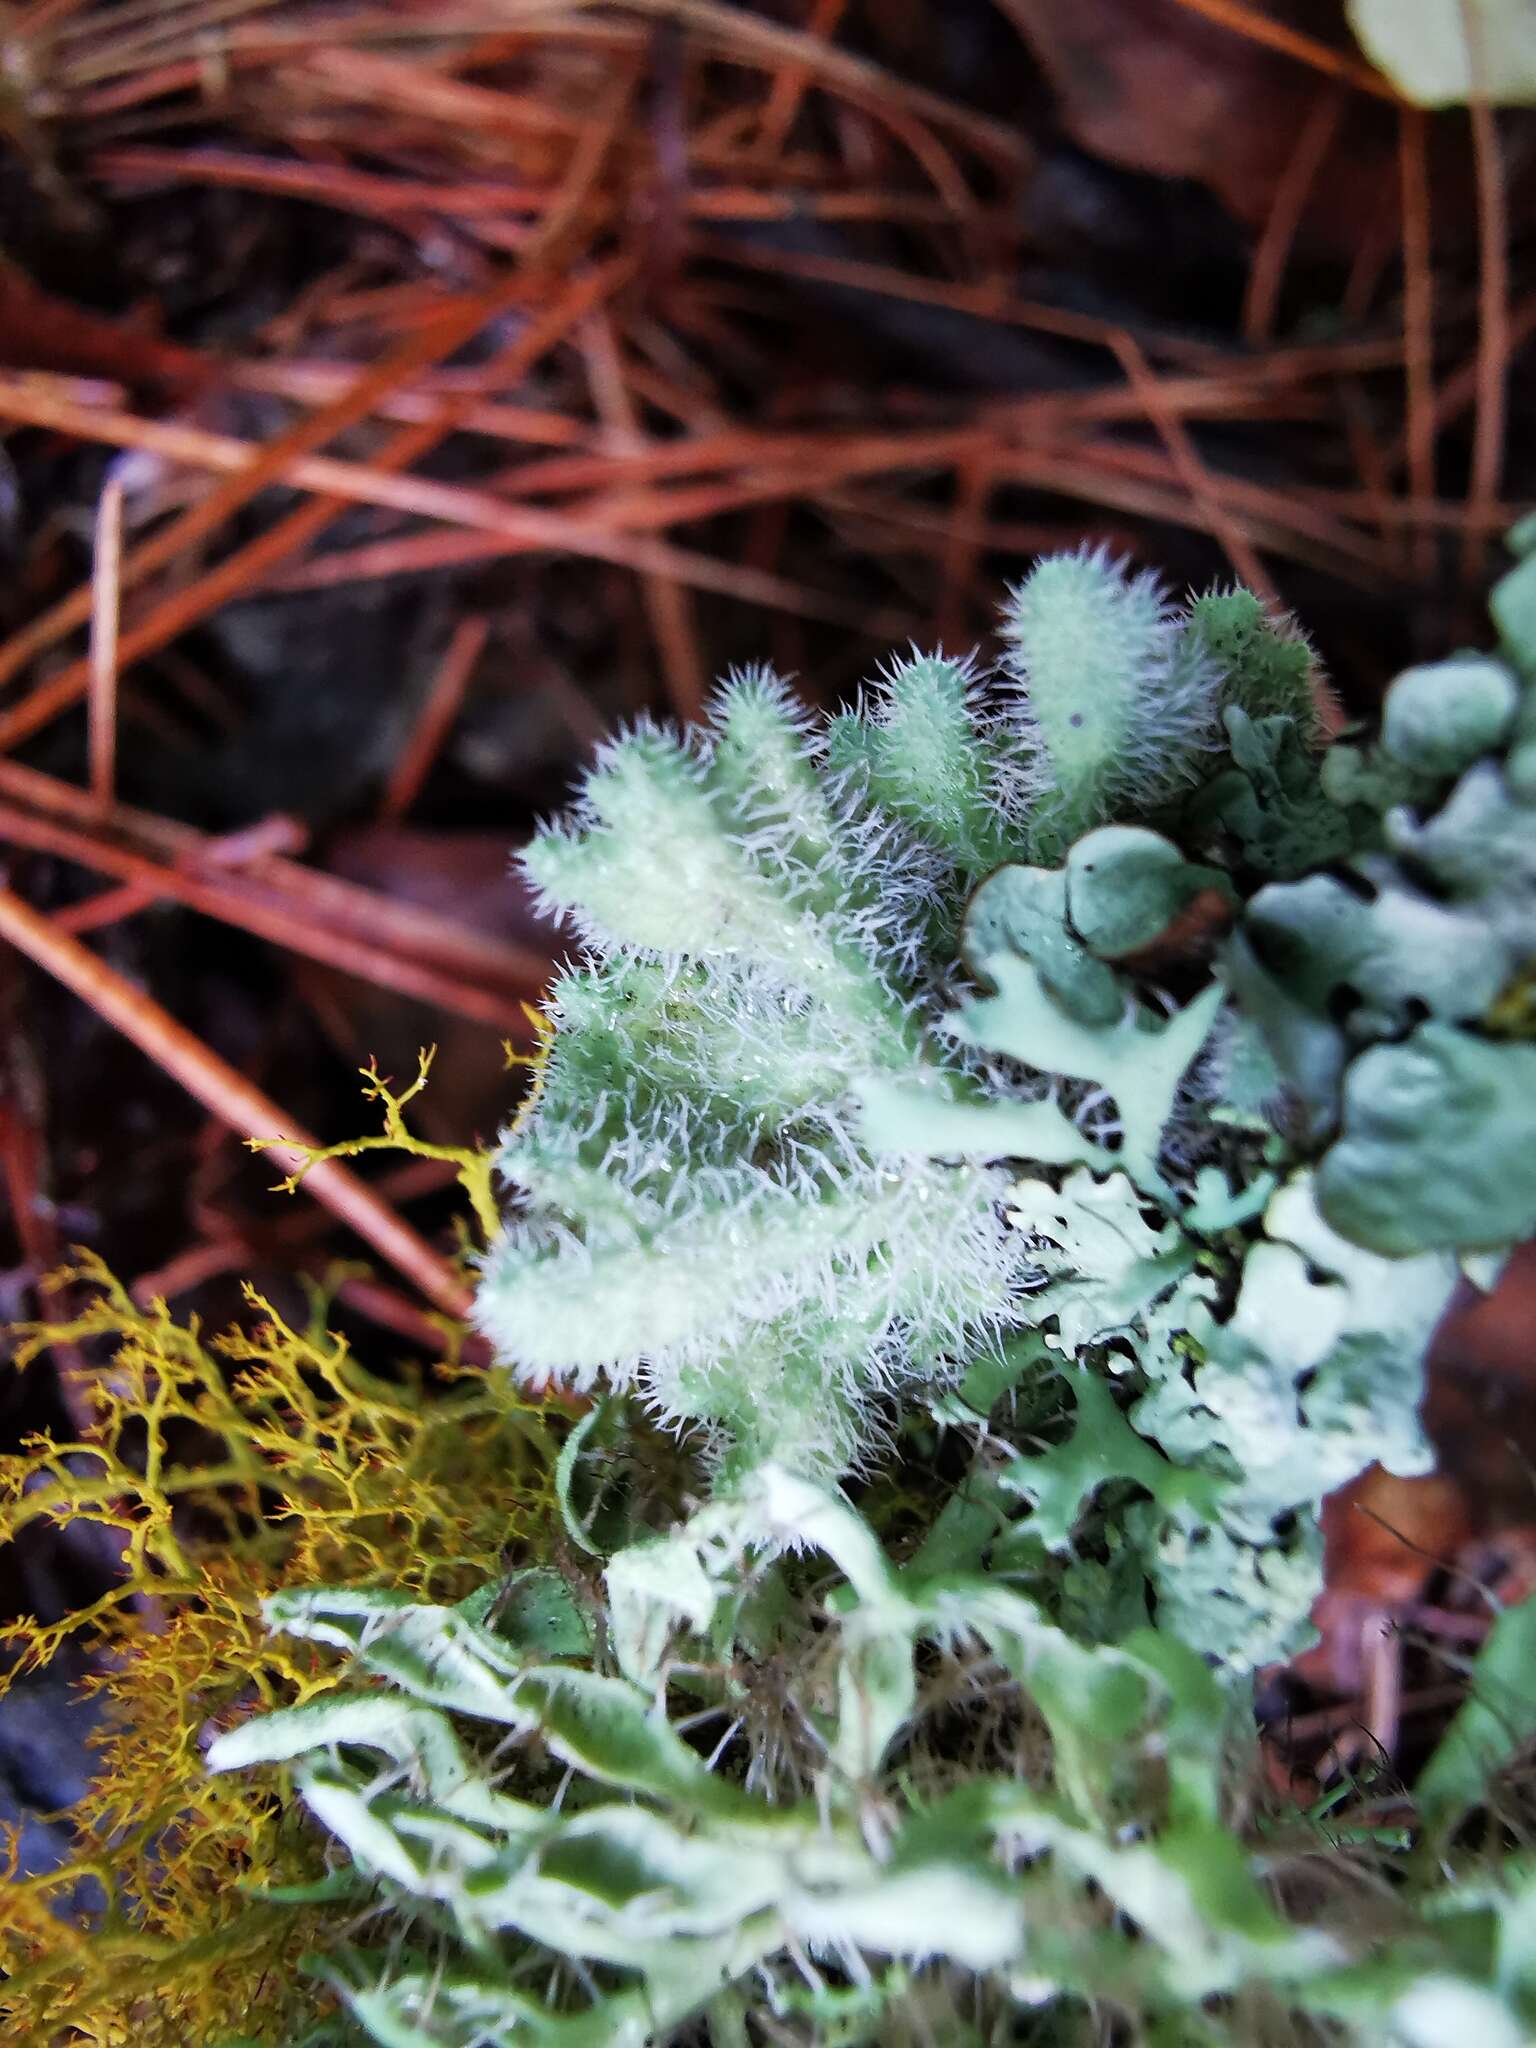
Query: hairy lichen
[[1024, 1129], [788, 1167]]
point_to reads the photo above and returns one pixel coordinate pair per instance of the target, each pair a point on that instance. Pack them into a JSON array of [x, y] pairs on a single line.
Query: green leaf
[[671, 1583], [1095, 1698], [1315, 1372], [345, 1808], [760, 770], [565, 1473], [898, 1911], [925, 761], [441, 1656], [1242, 1604], [995, 1374], [1194, 1724], [876, 1690], [1479, 851], [534, 1610], [608, 1729], [1306, 1046], [1115, 702], [799, 1512], [420, 1740], [1440, 2009], [1317, 1369], [1271, 801], [1369, 780], [1217, 1207]]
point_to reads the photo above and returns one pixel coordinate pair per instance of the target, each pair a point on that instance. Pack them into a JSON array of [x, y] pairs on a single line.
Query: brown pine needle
[[45, 13], [107, 907], [438, 715], [429, 346], [745, 36], [792, 80], [234, 1100], [975, 481], [1493, 333], [1266, 277], [397, 945], [668, 602], [1192, 472], [106, 596], [245, 568], [1418, 322], [1258, 27]]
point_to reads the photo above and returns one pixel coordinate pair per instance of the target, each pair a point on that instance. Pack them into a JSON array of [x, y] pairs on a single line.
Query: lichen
[[230, 1468]]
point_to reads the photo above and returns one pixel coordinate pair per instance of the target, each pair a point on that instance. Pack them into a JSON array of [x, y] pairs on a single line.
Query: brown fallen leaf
[[1384, 1538], [1480, 1405], [1158, 86]]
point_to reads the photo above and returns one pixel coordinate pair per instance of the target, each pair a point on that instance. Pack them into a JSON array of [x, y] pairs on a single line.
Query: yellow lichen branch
[[235, 1467], [474, 1168]]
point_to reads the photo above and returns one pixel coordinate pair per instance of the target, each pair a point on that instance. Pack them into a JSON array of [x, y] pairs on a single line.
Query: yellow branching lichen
[[475, 1169], [232, 1468]]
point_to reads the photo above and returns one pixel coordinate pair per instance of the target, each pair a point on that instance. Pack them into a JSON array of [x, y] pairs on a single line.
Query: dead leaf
[[1158, 87]]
